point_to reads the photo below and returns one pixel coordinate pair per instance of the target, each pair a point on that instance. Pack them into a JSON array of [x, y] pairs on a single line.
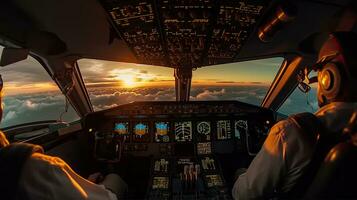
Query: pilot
[[286, 154], [47, 177]]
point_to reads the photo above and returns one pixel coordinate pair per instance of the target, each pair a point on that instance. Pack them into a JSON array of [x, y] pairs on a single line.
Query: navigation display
[[223, 129], [204, 131], [141, 132], [183, 131], [121, 128], [162, 132]]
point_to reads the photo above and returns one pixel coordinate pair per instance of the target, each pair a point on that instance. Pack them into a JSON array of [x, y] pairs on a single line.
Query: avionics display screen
[[203, 130], [141, 132], [162, 131], [141, 129], [223, 129], [240, 127], [122, 128], [183, 131]]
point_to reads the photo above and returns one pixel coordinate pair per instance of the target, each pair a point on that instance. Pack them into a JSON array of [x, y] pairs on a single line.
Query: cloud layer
[[35, 107], [48, 106], [299, 102]]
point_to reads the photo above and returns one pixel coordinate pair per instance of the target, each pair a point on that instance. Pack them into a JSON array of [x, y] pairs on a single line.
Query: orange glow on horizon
[[123, 81], [13, 88]]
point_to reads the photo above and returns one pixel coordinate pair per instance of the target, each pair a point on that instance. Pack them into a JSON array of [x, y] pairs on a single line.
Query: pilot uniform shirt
[[285, 154], [47, 177]]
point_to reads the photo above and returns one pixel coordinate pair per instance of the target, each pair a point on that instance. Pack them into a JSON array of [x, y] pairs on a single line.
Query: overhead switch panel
[[184, 33]]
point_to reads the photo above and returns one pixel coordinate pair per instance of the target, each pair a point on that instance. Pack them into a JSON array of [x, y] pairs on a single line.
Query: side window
[[299, 102], [29, 95]]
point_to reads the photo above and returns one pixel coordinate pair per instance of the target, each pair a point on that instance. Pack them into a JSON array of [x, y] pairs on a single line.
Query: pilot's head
[[337, 73]]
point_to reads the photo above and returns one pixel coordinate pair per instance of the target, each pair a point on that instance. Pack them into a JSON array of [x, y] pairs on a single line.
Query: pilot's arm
[[47, 177], [277, 165]]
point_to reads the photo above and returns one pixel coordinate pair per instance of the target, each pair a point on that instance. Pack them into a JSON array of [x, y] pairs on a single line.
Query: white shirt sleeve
[[264, 172], [280, 162], [46, 177]]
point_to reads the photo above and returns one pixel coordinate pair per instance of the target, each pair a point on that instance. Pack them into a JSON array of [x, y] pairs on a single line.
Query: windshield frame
[[279, 68], [48, 71]]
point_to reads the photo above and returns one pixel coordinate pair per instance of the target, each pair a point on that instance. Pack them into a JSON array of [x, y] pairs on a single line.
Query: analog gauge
[[204, 128]]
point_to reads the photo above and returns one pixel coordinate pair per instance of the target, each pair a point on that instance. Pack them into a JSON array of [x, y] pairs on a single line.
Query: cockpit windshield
[[30, 95], [244, 81], [111, 83]]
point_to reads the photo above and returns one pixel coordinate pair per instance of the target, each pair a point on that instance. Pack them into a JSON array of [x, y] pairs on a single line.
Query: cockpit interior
[[172, 95]]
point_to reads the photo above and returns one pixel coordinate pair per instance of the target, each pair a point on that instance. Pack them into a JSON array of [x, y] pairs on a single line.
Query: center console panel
[[184, 141]]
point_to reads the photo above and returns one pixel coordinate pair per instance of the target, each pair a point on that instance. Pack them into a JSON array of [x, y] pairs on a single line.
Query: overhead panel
[[136, 22], [186, 25], [184, 33], [234, 23]]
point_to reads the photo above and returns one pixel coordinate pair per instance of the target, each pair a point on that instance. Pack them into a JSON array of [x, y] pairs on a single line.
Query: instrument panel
[[223, 126], [185, 141]]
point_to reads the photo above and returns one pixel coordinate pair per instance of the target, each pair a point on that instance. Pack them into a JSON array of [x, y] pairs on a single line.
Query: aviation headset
[[337, 69], [329, 80]]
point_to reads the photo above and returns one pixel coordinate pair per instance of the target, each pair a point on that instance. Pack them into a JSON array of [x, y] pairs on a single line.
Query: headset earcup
[[330, 82]]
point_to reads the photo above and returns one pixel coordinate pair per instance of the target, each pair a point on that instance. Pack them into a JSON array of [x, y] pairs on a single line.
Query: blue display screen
[[121, 128], [161, 128], [140, 129]]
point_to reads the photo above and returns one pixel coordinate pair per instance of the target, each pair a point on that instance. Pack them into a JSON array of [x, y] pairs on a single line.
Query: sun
[[130, 77], [128, 80]]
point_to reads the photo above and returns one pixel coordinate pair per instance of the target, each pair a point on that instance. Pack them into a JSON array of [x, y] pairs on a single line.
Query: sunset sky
[[28, 76], [104, 73]]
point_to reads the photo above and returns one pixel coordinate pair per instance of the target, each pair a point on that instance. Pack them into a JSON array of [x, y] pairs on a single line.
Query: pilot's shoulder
[[283, 125], [42, 159]]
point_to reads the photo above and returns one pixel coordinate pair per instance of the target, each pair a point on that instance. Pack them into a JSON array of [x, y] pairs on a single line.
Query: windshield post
[[183, 78]]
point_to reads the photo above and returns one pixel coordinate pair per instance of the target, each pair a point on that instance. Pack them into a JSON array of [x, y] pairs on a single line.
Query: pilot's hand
[[3, 141], [96, 177]]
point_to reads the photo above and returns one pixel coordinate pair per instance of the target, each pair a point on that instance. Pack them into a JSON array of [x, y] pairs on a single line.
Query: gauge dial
[[204, 128]]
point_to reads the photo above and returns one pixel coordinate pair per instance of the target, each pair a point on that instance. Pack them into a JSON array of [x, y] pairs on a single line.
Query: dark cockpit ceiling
[[177, 33]]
